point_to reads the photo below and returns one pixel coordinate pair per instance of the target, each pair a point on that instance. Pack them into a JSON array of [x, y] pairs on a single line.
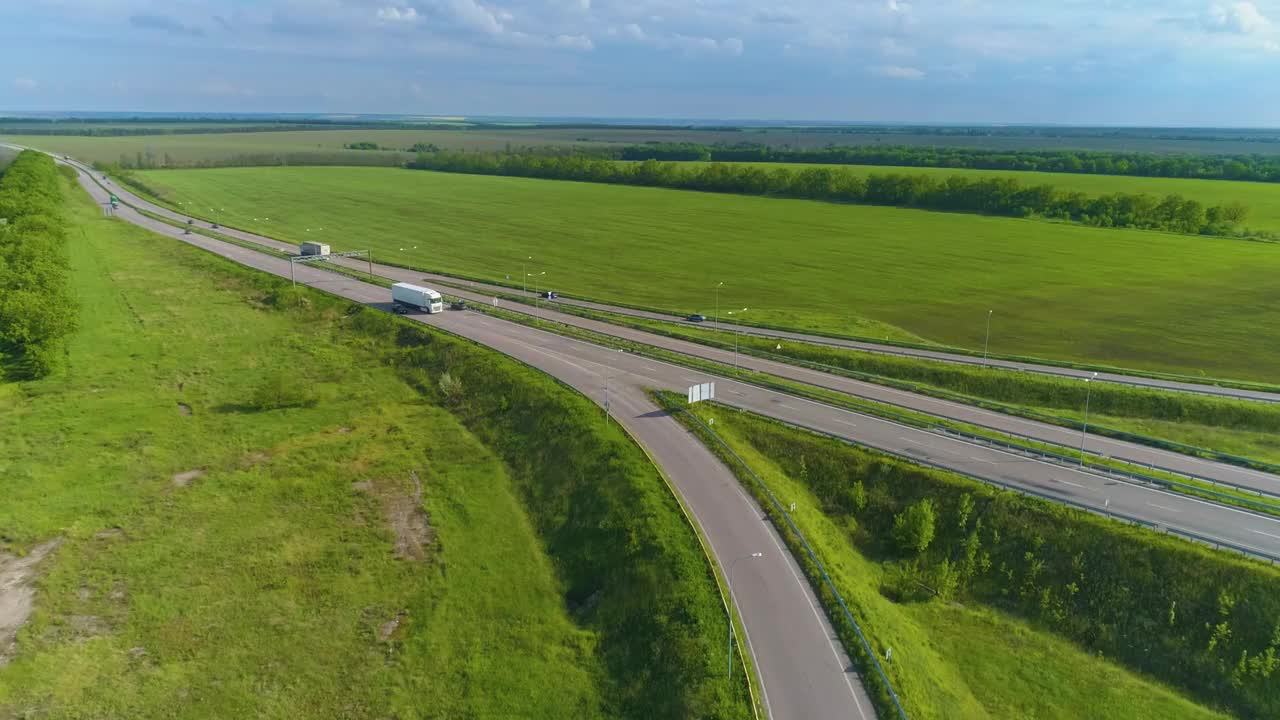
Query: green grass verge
[[1002, 641], [845, 269], [268, 586]]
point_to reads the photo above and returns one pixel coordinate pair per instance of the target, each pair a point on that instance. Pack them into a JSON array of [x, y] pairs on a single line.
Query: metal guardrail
[[871, 654]]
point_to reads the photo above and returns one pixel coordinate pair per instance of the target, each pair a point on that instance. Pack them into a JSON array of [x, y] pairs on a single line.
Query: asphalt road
[[803, 668]]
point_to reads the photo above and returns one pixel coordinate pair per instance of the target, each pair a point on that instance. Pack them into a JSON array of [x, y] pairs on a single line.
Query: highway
[[801, 667], [1142, 455]]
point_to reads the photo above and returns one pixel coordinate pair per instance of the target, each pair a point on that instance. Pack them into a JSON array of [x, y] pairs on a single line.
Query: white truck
[[313, 248], [407, 297]]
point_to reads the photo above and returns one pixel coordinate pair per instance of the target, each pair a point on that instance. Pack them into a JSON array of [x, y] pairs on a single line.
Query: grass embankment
[[876, 272], [1237, 427], [371, 519], [1040, 611]]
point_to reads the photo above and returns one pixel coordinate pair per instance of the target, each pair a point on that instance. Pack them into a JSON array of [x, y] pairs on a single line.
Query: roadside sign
[[700, 392]]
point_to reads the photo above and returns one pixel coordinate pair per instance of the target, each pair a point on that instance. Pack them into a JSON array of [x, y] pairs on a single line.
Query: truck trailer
[[314, 248], [407, 297]]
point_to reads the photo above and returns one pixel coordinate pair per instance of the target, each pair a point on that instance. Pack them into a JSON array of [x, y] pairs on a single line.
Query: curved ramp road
[[803, 669]]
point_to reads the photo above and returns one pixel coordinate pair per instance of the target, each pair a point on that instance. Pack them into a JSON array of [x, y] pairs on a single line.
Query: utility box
[[312, 248]]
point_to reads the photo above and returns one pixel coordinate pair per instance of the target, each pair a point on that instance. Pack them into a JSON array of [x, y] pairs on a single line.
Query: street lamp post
[[736, 334], [751, 556], [987, 343], [718, 305], [1085, 429], [524, 269], [535, 276]]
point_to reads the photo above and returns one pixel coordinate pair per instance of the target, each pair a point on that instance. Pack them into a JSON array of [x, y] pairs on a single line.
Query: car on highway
[[696, 318], [550, 294], [458, 305]]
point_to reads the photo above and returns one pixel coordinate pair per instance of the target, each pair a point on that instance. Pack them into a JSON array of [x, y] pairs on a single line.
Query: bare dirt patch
[[184, 479], [389, 627], [254, 458], [404, 513], [17, 597], [185, 409]]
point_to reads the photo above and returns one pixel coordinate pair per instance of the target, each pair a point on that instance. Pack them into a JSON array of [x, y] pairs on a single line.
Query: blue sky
[[1176, 62]]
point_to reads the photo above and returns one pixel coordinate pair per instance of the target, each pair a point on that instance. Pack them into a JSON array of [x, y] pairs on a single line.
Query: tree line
[[37, 309], [1199, 619], [1259, 168], [990, 196]]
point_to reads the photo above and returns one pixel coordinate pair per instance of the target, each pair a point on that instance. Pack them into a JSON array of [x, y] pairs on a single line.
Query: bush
[[277, 391], [37, 310], [913, 528]]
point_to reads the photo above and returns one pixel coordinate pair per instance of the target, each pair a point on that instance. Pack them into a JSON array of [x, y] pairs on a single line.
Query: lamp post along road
[[718, 305], [1084, 431], [729, 579], [986, 344], [736, 334]]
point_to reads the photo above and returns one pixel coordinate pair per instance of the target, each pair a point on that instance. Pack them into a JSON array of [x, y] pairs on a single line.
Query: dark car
[[458, 305], [550, 295], [696, 318]]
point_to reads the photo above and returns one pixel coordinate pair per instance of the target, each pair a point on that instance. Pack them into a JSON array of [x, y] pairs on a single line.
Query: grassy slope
[[263, 586], [956, 662], [1263, 199], [1126, 297]]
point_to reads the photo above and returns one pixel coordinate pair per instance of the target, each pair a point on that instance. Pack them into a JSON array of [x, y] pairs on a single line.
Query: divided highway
[[1135, 453], [803, 669]]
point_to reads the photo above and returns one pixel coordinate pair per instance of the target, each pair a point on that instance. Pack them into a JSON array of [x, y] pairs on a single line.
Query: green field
[[1132, 298], [489, 137], [323, 144], [315, 532]]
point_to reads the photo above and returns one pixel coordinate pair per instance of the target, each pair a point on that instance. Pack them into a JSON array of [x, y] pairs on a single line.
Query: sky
[[1110, 62]]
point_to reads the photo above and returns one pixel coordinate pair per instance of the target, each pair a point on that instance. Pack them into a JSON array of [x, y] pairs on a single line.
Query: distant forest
[[1258, 168]]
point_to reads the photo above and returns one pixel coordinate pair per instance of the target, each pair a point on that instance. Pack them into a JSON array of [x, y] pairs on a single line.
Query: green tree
[[913, 528]]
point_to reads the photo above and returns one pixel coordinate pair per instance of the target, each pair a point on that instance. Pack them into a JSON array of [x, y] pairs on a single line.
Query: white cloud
[[25, 83], [633, 31], [779, 16], [574, 42], [472, 15], [892, 48], [1240, 18], [397, 15], [898, 72]]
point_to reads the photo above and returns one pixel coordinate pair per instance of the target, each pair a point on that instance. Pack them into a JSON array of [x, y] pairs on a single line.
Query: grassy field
[[492, 138], [276, 535], [1131, 298], [956, 661]]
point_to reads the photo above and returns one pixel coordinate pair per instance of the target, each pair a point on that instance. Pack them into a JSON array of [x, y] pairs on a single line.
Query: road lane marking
[[1266, 533], [1165, 507], [805, 590], [1067, 482]]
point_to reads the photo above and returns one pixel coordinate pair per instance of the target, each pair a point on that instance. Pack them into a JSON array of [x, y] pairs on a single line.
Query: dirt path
[[17, 596]]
